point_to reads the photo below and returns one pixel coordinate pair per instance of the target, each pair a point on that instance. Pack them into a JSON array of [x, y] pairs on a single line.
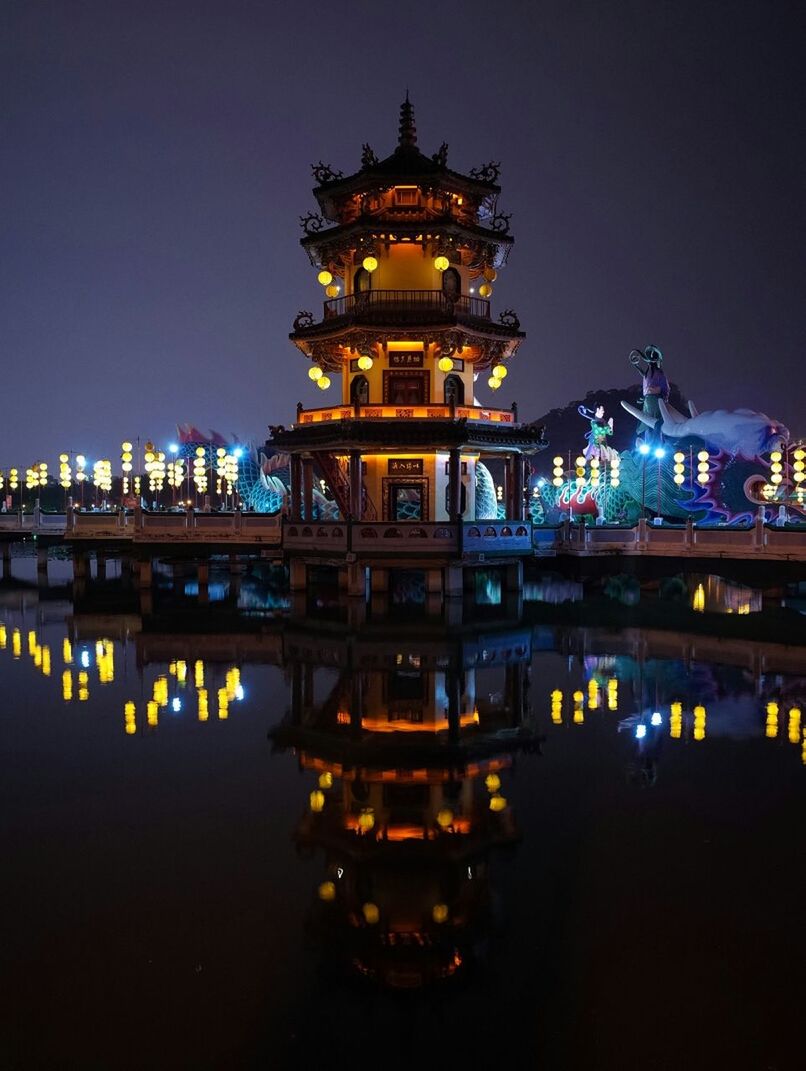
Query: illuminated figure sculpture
[[600, 430], [655, 387]]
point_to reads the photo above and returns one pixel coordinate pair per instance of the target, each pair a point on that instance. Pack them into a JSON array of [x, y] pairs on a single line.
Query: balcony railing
[[411, 412], [405, 306]]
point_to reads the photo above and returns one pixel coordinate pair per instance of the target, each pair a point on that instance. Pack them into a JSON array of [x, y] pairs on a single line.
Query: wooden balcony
[[405, 307], [413, 412]]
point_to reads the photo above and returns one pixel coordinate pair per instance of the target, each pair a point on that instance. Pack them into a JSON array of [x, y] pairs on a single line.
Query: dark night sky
[[156, 157]]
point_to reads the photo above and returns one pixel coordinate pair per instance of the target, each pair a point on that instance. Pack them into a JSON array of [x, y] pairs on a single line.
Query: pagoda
[[407, 251]]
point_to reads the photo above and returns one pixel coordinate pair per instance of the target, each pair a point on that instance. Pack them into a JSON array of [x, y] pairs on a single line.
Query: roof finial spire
[[408, 131]]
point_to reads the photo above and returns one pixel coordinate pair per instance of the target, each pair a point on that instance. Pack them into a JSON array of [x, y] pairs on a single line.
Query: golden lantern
[[369, 263], [325, 277], [317, 801], [365, 362], [371, 913], [326, 779], [332, 291], [493, 383], [441, 263], [500, 371], [327, 891], [445, 364], [323, 382], [366, 820], [440, 913], [485, 290], [445, 818], [557, 481], [490, 274], [497, 804], [492, 782], [315, 373]]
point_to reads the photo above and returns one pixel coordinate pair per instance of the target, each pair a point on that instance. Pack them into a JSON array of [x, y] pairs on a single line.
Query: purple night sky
[[156, 158]]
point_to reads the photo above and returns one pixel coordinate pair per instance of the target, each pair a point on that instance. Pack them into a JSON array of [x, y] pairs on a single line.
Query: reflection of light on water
[[720, 596], [553, 590]]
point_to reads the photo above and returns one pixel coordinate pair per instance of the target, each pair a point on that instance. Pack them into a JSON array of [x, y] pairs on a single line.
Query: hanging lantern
[[485, 290], [441, 263], [500, 371], [440, 913], [445, 818], [332, 291], [369, 263], [317, 800], [497, 803], [493, 383], [490, 274], [315, 373], [326, 779], [325, 277], [371, 913], [558, 471], [323, 382], [445, 364], [366, 820], [327, 891], [365, 362], [492, 782]]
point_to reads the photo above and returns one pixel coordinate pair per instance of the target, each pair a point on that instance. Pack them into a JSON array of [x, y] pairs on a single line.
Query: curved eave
[[390, 434], [408, 228], [340, 327], [378, 178]]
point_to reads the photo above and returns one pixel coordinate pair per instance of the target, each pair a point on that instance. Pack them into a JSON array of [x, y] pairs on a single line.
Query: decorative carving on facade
[[509, 318], [303, 319], [500, 222], [324, 173], [311, 223], [487, 173]]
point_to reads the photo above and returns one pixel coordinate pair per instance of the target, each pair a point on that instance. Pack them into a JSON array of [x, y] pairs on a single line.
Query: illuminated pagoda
[[408, 251], [408, 756]]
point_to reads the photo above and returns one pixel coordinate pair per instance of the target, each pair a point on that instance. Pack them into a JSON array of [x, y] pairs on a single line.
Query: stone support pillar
[[356, 484], [307, 488], [295, 467], [455, 485]]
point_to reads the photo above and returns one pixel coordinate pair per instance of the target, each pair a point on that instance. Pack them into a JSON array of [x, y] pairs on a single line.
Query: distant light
[[85, 659], [173, 448], [660, 452], [640, 732], [541, 482], [656, 719], [643, 448], [237, 452], [176, 704], [239, 692]]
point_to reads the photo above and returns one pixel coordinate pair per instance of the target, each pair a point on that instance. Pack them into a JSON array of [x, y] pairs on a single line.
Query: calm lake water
[[244, 835]]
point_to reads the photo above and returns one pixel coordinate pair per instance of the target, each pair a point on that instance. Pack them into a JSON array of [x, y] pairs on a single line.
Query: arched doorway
[[362, 281], [454, 390], [359, 391], [451, 284]]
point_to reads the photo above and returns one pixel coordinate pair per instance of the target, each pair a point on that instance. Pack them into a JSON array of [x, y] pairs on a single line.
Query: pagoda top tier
[[406, 166]]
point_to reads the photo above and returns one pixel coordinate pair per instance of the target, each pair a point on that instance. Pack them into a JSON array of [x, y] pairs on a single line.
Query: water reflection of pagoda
[[410, 746]]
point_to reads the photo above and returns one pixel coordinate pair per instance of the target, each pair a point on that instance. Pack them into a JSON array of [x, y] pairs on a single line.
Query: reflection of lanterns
[[327, 891], [493, 383], [445, 364], [371, 914], [771, 726], [557, 707], [369, 264], [325, 277], [492, 782], [326, 779], [366, 820], [365, 362], [485, 290], [445, 818], [441, 263], [317, 801], [558, 472], [500, 371], [699, 723], [440, 913], [323, 382], [497, 804]]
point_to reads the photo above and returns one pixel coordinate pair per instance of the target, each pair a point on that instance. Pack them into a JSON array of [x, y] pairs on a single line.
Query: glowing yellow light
[[775, 455], [441, 263], [67, 685], [440, 913], [594, 697], [698, 602], [679, 456], [369, 264], [500, 371], [492, 782], [498, 803], [317, 801], [366, 820], [371, 914], [676, 720], [699, 723], [445, 364], [204, 712], [323, 382], [702, 455], [152, 713], [327, 891], [223, 704], [794, 725], [332, 291], [365, 362], [444, 818], [490, 274], [324, 277], [493, 383]]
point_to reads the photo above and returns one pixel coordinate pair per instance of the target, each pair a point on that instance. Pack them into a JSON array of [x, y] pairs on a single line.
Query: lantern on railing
[[65, 478], [558, 472], [231, 470], [42, 473], [126, 457], [200, 470], [776, 473], [594, 472], [220, 468], [2, 479], [679, 468], [798, 465], [13, 479], [615, 470], [81, 464], [580, 469]]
